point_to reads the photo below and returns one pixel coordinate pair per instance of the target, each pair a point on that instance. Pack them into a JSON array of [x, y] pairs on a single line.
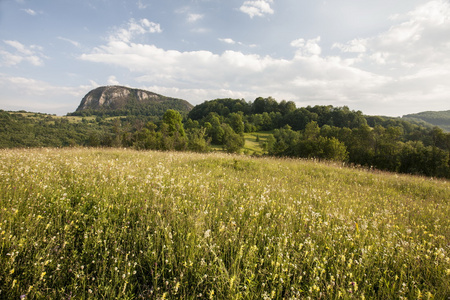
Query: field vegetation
[[257, 143], [88, 223], [261, 127]]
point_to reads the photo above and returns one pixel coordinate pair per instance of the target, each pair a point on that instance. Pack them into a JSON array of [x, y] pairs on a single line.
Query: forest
[[433, 118], [318, 132]]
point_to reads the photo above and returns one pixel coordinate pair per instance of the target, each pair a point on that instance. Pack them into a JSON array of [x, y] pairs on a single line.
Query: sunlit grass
[[51, 118], [253, 142], [122, 224]]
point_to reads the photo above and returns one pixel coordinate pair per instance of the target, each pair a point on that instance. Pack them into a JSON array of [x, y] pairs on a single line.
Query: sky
[[381, 57]]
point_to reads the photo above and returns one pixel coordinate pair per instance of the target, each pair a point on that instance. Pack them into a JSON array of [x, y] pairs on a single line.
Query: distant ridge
[[121, 100], [432, 118]]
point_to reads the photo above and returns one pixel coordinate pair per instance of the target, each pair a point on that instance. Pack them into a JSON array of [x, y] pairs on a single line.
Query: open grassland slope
[[122, 224]]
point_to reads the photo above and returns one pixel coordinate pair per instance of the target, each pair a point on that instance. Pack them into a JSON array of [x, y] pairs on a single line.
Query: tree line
[[321, 132], [335, 133]]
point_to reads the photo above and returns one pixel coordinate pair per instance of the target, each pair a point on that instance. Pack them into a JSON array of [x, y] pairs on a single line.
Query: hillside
[[120, 100], [431, 118], [124, 224]]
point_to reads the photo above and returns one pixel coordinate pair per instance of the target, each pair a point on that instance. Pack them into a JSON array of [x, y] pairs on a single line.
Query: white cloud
[[379, 58], [307, 47], [257, 8], [395, 70], [31, 86], [141, 5], [74, 43], [35, 95], [423, 38], [30, 11], [201, 30], [245, 74], [32, 54], [228, 41], [135, 28], [20, 47], [354, 46], [112, 80], [191, 18], [413, 56]]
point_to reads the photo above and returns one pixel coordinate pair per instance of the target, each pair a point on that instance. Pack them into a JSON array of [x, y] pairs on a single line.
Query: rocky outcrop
[[107, 98]]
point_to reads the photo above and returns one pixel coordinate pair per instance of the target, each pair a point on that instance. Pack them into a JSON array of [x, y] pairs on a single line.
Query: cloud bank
[[404, 68], [19, 52], [416, 51], [38, 94]]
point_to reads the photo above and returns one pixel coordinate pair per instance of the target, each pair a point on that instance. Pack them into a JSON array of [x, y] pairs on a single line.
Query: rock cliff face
[[110, 98]]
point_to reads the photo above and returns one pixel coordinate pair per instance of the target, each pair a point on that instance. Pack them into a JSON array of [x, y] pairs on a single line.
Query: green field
[[252, 145], [52, 118], [123, 224]]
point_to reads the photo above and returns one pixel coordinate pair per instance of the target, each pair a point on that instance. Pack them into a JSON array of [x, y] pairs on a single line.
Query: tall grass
[[122, 224]]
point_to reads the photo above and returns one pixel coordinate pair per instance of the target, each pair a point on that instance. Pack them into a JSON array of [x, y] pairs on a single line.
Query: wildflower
[[355, 285], [207, 233]]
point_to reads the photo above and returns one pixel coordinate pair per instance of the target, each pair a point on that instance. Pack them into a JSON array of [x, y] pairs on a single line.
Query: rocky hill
[[120, 100]]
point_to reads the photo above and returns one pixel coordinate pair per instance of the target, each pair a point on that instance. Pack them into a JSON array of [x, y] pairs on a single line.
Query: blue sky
[[382, 57]]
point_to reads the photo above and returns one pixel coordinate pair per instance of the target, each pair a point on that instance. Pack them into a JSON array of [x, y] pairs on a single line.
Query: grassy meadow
[[254, 140], [123, 224]]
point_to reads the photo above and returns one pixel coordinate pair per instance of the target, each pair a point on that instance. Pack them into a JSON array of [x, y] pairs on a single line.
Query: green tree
[[286, 107], [197, 140], [285, 141], [333, 149], [388, 148], [173, 119], [361, 146], [232, 142], [236, 122], [146, 139], [214, 129], [312, 130]]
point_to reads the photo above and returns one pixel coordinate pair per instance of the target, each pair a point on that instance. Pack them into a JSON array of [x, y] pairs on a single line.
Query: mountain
[[120, 100], [433, 118]]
